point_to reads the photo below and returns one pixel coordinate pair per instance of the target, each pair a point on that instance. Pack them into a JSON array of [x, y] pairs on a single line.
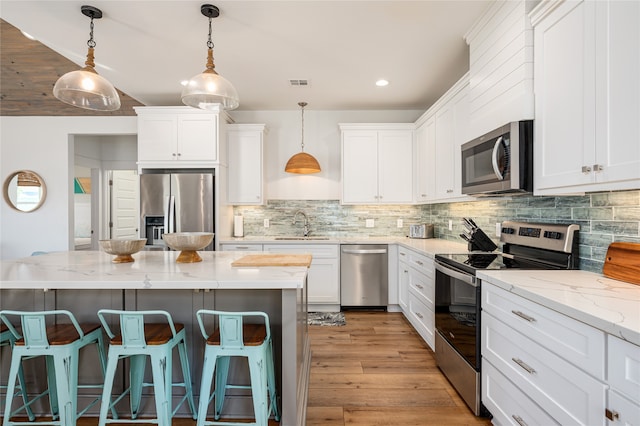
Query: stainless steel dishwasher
[[364, 279]]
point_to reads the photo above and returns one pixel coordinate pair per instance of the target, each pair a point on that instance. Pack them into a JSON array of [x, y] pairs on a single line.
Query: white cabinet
[[623, 368], [555, 362], [177, 137], [425, 160], [323, 280], [377, 164], [245, 163], [403, 279], [416, 292], [440, 133], [240, 247], [587, 126]]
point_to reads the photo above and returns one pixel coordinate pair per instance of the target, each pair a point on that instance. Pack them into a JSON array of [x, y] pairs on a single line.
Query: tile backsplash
[[603, 218]]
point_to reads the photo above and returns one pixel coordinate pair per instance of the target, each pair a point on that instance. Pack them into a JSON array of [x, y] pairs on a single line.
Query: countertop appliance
[[499, 162], [420, 230], [457, 294], [364, 280], [175, 200]]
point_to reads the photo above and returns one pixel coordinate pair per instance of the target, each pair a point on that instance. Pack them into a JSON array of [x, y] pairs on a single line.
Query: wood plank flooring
[[377, 370], [374, 371]]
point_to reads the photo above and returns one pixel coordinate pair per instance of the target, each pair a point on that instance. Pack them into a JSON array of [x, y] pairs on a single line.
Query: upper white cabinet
[[245, 163], [178, 137], [587, 127], [500, 67], [440, 133], [377, 163]]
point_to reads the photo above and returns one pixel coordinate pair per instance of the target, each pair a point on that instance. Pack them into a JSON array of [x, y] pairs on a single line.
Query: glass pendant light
[[209, 89], [302, 163], [84, 88]]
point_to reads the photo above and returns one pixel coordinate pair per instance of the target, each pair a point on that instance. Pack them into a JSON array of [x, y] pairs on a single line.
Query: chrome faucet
[[307, 230]]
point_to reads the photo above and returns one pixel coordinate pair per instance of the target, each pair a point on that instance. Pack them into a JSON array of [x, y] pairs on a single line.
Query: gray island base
[[85, 281]]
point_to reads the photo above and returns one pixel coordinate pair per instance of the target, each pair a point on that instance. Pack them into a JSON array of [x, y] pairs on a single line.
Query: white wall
[[42, 144], [321, 139]]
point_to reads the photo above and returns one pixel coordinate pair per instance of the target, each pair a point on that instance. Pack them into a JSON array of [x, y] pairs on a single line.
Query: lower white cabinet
[[240, 247], [623, 375], [416, 278], [323, 281], [540, 367]]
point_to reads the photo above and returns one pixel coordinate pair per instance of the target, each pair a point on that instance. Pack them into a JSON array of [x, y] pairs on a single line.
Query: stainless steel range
[[457, 293]]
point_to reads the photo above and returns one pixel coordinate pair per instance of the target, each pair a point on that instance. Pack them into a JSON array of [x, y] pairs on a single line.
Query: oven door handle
[[462, 276]]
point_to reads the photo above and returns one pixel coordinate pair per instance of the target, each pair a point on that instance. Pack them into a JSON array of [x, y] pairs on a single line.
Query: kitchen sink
[[302, 238]]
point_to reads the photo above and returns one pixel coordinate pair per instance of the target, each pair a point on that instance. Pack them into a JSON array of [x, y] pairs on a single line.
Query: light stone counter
[[609, 305], [430, 246], [86, 281], [151, 269]]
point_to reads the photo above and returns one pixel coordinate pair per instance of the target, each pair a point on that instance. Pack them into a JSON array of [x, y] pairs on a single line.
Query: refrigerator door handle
[[172, 213]]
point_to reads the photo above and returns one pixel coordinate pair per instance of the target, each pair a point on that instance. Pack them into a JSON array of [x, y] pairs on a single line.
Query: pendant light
[[209, 89], [302, 162], [84, 88]]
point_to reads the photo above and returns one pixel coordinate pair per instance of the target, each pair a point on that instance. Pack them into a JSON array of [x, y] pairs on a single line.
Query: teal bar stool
[[8, 337], [45, 334], [233, 337], [136, 341]]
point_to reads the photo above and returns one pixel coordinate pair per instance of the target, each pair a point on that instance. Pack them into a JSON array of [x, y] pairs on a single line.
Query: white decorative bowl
[[123, 249], [188, 243]]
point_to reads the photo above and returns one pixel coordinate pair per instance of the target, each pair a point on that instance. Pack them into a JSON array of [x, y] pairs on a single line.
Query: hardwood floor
[[374, 371], [377, 370]]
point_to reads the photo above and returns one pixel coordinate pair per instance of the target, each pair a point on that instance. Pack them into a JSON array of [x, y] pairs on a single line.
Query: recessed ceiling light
[[29, 36], [382, 83]]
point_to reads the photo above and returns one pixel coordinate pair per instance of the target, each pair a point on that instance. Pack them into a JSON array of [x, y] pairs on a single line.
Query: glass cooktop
[[471, 262]]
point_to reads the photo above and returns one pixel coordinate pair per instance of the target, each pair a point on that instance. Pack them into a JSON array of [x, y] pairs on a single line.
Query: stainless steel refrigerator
[[175, 201]]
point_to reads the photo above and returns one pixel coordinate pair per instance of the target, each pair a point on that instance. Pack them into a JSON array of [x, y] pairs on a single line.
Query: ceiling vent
[[298, 82]]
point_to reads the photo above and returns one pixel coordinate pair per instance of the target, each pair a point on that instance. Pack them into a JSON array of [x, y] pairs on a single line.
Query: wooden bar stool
[[8, 337], [60, 344], [136, 341], [232, 337]]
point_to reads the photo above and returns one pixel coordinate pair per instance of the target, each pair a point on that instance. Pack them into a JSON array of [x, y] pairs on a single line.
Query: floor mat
[[326, 318]]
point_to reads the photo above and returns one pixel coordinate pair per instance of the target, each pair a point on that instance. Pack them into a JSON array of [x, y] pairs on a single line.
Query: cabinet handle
[[449, 191], [611, 415], [403, 254], [406, 271], [523, 365], [419, 315], [524, 316], [179, 154], [586, 169], [419, 286], [174, 154], [419, 262], [519, 420], [598, 168], [242, 247]]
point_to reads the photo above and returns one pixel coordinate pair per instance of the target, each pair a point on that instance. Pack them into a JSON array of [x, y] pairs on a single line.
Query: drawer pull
[[519, 420], [524, 366], [403, 254], [419, 263], [420, 287], [611, 415], [419, 315], [242, 247], [524, 316]]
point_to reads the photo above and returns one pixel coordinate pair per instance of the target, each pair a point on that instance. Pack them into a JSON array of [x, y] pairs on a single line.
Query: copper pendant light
[[85, 88], [302, 163]]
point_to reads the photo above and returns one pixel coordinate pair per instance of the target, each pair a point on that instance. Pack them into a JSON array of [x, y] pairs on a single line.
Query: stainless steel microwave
[[499, 162]]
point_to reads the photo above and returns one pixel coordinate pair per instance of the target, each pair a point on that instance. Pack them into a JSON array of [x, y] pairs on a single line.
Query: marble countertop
[[151, 269], [609, 305], [429, 246]]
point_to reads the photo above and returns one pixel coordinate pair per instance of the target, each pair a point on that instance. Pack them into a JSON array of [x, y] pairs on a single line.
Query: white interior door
[[124, 204]]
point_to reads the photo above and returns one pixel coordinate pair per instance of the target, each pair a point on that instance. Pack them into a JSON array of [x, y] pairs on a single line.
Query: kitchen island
[[86, 281]]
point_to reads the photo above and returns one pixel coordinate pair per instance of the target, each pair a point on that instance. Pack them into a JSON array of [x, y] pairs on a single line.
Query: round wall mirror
[[24, 190]]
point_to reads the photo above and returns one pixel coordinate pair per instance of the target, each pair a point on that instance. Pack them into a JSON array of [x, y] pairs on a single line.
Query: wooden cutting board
[[623, 262], [274, 260]]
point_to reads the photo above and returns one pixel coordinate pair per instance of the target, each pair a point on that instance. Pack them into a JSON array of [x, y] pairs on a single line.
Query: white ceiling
[[146, 48]]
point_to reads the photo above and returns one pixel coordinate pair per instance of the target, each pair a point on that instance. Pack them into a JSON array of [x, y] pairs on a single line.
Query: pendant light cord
[[91, 42], [209, 42], [302, 139]]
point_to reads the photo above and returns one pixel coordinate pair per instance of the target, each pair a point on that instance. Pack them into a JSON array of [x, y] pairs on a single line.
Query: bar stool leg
[[23, 392], [159, 367], [221, 374], [208, 370], [186, 374], [109, 375], [66, 373], [258, 373], [137, 365], [271, 378], [53, 387]]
